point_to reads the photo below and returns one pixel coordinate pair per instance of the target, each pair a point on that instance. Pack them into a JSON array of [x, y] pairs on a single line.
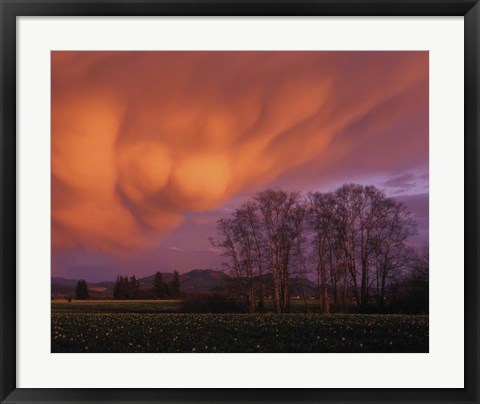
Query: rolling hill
[[195, 281]]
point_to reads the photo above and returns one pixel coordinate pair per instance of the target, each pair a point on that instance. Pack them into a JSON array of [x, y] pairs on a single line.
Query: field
[[116, 306], [153, 326]]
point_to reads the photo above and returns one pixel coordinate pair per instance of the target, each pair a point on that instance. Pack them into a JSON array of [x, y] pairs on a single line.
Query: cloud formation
[[139, 139]]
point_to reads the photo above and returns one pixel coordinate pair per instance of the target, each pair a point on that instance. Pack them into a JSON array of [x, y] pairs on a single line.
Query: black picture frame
[[10, 9]]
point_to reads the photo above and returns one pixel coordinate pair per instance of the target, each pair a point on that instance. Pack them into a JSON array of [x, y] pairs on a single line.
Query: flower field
[[116, 306], [245, 333]]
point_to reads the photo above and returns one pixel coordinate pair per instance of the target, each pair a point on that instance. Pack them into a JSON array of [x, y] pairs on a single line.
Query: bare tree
[[394, 226], [245, 242], [321, 216], [226, 229], [277, 208], [355, 237]]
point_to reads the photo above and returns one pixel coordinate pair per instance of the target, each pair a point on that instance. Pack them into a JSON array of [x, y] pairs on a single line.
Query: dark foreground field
[[91, 328]]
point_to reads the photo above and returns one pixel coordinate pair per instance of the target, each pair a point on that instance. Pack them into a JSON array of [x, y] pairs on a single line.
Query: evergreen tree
[[81, 290], [116, 288], [175, 286], [133, 288], [120, 289], [126, 288], [159, 286]]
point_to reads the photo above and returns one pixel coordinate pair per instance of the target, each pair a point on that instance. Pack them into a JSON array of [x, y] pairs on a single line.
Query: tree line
[[128, 288], [166, 290], [81, 291], [353, 242]]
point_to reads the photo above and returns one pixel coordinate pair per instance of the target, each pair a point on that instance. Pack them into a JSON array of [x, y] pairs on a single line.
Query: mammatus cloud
[[139, 139]]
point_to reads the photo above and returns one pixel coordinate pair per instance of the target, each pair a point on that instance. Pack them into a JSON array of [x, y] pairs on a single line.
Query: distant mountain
[[61, 290], [61, 287], [203, 280], [64, 282], [295, 285], [195, 281], [147, 282]]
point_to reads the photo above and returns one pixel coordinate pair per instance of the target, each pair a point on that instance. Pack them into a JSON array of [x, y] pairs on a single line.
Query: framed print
[[224, 201]]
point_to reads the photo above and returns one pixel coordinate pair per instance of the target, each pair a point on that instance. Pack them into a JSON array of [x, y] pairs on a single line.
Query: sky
[[150, 149]]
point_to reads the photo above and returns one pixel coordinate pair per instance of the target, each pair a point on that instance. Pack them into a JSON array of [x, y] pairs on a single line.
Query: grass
[[154, 306], [116, 306], [246, 333]]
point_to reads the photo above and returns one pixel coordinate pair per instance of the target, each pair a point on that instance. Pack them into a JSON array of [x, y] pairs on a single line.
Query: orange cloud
[[141, 138]]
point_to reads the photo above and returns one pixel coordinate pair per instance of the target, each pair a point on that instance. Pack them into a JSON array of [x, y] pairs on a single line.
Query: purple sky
[[150, 149]]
